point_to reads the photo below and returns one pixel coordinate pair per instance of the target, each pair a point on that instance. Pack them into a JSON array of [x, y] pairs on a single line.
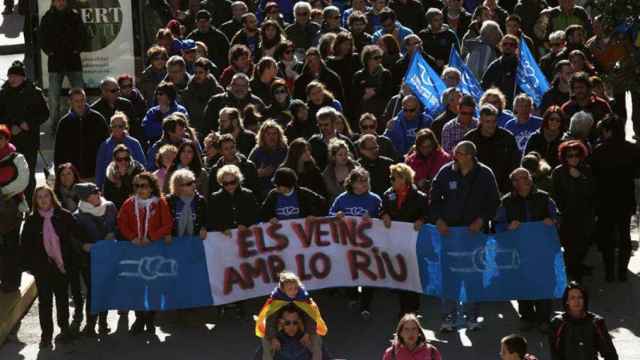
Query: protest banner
[[523, 264]]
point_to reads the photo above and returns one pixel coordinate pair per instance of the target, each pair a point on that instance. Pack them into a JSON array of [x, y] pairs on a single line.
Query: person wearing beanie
[[290, 201], [22, 110], [216, 41], [14, 177], [62, 34], [96, 218]]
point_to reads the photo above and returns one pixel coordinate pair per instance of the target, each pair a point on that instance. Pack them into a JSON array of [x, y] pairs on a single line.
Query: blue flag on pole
[[154, 277], [425, 83], [468, 82], [529, 76], [525, 264]]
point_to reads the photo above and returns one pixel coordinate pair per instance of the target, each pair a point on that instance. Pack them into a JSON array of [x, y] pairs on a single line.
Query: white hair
[[558, 35], [302, 5], [581, 123]]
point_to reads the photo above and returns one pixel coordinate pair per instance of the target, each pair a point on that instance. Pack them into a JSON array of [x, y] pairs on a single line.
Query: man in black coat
[[376, 165], [327, 117], [216, 41], [501, 73], [497, 147], [79, 135], [110, 101], [23, 109], [62, 35]]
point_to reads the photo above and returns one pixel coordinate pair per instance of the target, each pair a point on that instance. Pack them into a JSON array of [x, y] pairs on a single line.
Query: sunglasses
[[141, 186], [122, 159], [289, 51], [410, 110], [289, 322], [229, 183], [160, 93], [368, 127], [509, 44], [190, 183], [280, 91]]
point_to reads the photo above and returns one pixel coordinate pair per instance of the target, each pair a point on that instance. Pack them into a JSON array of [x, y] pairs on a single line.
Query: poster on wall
[[108, 49]]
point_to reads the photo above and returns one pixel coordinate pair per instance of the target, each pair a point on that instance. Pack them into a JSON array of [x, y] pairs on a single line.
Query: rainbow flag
[[278, 299]]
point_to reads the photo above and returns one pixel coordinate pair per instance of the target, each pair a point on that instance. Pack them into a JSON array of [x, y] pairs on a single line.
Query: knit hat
[[84, 190], [203, 14], [17, 68]]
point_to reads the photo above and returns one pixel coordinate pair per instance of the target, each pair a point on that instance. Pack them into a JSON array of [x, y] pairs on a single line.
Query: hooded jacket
[[398, 131]]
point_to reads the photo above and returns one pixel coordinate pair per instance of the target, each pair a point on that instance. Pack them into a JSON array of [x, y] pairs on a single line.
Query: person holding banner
[[410, 342], [404, 202], [526, 203], [46, 250], [145, 217], [290, 201], [463, 193], [188, 207], [96, 218], [235, 205]]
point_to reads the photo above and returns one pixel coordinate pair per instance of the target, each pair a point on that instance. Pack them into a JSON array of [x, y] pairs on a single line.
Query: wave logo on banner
[[425, 83], [153, 277], [468, 82], [524, 264], [529, 77]]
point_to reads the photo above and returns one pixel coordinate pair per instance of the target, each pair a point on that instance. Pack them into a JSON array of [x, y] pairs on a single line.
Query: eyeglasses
[[141, 186], [190, 183], [280, 91], [410, 110], [117, 126], [289, 322], [122, 159], [229, 183]]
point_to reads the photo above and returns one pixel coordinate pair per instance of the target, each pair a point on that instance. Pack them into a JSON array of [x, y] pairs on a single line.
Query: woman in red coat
[[143, 218], [426, 158]]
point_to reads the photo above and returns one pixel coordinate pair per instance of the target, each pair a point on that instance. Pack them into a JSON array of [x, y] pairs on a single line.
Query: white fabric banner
[[325, 252], [109, 47]]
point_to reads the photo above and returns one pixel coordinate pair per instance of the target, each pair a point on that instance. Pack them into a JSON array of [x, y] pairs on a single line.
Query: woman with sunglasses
[[279, 108], [119, 135], [300, 160], [546, 140], [187, 158], [574, 192], [188, 206], [370, 86], [235, 206], [143, 218], [118, 183], [289, 68]]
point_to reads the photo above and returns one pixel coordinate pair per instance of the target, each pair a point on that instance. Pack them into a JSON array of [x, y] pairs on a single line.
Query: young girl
[[290, 291]]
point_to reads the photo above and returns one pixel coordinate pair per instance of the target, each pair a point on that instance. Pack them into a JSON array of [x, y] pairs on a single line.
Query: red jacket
[[160, 222], [427, 167], [422, 352]]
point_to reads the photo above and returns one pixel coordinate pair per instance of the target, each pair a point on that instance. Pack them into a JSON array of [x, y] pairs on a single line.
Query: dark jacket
[[459, 200], [311, 178], [329, 78], [553, 96], [547, 149], [310, 203], [303, 37], [345, 68], [464, 20], [198, 212], [410, 14], [247, 169], [439, 44], [123, 105], [378, 173], [380, 83], [414, 207], [92, 229], [295, 130], [537, 206], [62, 35], [217, 44], [33, 254], [231, 210], [148, 82], [501, 73], [226, 99], [575, 197], [119, 190], [499, 152], [580, 339], [24, 103], [195, 99], [320, 149], [78, 139]]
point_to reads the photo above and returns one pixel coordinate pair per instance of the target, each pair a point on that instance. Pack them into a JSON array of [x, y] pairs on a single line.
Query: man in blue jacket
[[403, 128], [463, 193]]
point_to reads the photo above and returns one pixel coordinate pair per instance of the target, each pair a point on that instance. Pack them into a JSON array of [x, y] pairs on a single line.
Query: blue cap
[[188, 44]]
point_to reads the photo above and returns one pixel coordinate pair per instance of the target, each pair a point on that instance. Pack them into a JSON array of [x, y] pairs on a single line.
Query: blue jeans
[[55, 88]]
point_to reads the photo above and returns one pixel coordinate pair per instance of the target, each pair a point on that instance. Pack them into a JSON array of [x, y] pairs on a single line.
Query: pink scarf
[[50, 240]]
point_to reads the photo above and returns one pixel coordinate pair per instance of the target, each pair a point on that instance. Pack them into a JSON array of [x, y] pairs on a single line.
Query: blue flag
[[529, 76], [425, 83], [525, 264], [468, 82], [154, 277]]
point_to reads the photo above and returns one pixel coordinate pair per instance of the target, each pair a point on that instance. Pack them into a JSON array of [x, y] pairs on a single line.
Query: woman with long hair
[[370, 87], [300, 127], [546, 140], [263, 77], [271, 36], [118, 184], [318, 96], [300, 160], [187, 158], [426, 158], [188, 206], [289, 68], [269, 153], [315, 69], [66, 176], [279, 108], [410, 342], [340, 165]]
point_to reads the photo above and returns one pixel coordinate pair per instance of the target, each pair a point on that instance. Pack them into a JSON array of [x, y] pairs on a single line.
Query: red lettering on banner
[[304, 235], [315, 267], [276, 266], [281, 240], [401, 273], [245, 246], [382, 274], [233, 277], [333, 228], [302, 274], [257, 233], [359, 261], [320, 233], [259, 269], [364, 239], [347, 231]]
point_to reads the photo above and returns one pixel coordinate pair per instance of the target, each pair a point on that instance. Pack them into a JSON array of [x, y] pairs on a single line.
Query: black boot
[[137, 327], [89, 329], [103, 326]]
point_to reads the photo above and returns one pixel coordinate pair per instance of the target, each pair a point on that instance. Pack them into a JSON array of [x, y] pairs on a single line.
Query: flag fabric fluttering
[[425, 83], [529, 77], [469, 84]]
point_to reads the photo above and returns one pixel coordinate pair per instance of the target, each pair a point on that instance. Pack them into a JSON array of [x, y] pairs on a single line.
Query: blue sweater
[[262, 158], [403, 133], [105, 155], [357, 205], [152, 122]]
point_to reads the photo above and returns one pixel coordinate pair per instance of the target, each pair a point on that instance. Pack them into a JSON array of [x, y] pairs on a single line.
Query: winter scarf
[[50, 239]]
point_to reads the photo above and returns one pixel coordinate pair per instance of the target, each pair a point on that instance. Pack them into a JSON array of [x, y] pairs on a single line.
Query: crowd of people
[[261, 111]]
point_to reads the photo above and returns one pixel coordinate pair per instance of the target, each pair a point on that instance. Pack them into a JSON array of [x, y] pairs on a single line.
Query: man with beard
[[200, 89], [215, 40], [237, 95], [496, 147], [582, 99], [501, 73], [558, 94]]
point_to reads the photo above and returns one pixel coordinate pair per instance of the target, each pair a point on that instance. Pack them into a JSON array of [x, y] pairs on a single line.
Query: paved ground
[[202, 334]]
